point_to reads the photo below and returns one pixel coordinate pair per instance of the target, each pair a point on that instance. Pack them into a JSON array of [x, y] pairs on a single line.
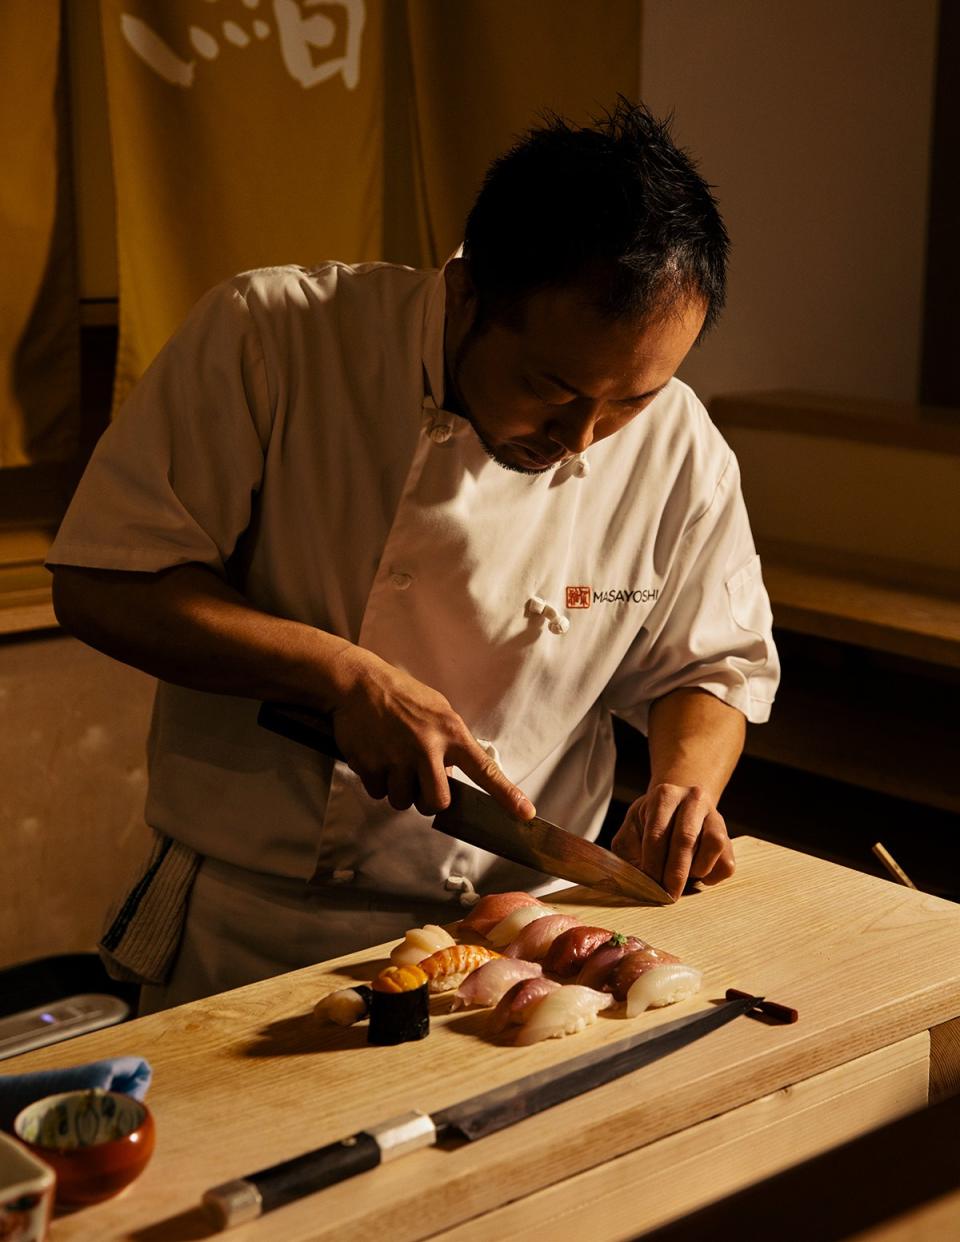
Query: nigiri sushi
[[662, 985], [632, 966], [488, 982], [563, 1012], [599, 965], [516, 1000], [344, 1006], [510, 928], [572, 948], [447, 968], [537, 937], [492, 909], [420, 942]]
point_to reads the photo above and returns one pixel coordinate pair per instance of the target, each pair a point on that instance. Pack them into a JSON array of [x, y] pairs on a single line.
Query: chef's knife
[[473, 816], [246, 1198]]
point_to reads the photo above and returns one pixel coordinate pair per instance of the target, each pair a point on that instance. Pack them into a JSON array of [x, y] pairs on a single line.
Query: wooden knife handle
[[299, 724]]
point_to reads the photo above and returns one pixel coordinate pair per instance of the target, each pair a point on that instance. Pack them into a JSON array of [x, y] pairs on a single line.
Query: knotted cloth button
[[440, 432], [581, 467], [558, 625], [401, 581]]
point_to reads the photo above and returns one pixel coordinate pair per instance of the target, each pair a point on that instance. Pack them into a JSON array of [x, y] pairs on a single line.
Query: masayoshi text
[[584, 596]]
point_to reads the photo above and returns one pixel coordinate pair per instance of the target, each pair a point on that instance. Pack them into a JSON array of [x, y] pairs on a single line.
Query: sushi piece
[[487, 983], [663, 985], [516, 1000], [537, 937], [510, 928], [599, 965], [632, 966], [447, 968], [399, 1006], [572, 948], [563, 1012], [420, 942], [492, 909], [345, 1006]]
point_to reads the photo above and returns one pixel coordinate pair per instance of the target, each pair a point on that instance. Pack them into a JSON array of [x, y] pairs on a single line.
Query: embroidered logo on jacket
[[584, 596]]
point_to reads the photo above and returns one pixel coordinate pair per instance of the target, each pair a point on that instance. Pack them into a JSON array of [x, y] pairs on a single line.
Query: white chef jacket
[[291, 436]]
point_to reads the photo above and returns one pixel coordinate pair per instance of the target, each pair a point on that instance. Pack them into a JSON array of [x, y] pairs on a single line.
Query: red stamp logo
[[578, 597]]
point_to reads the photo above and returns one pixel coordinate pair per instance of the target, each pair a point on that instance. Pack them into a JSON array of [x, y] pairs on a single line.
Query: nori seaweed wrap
[[399, 1006]]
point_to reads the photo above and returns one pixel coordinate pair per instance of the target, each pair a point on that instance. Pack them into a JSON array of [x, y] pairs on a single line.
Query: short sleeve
[[712, 628], [172, 480]]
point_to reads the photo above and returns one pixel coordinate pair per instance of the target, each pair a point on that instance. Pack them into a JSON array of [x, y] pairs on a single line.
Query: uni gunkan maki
[[399, 1006]]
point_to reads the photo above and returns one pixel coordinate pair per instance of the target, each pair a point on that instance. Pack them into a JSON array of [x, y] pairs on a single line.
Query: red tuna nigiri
[[572, 948], [599, 965], [511, 1006]]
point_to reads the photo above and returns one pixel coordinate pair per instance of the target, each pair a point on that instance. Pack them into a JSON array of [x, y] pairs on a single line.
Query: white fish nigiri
[[487, 985], [662, 985], [345, 1006], [563, 1012], [420, 942], [537, 937], [509, 929]]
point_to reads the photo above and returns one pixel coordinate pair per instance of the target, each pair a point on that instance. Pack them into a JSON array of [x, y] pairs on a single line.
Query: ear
[[461, 291]]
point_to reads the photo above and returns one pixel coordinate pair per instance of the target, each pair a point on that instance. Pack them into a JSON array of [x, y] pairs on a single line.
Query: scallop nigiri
[[662, 985], [420, 942], [488, 982], [509, 929], [345, 1006], [599, 965], [447, 968], [563, 1012], [632, 966], [572, 948], [516, 1000], [493, 909], [537, 937]]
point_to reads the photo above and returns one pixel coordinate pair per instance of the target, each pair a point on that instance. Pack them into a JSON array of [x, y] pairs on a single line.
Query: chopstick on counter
[[892, 865]]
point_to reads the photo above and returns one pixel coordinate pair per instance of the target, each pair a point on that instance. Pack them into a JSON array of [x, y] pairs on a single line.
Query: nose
[[574, 430]]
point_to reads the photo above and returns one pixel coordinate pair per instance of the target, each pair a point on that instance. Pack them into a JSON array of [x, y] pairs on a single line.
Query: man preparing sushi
[[469, 515]]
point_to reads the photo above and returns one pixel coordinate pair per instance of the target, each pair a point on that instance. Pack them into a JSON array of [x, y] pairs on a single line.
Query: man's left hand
[[675, 833]]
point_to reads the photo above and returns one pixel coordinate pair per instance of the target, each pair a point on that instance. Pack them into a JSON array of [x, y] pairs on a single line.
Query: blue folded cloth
[[128, 1075]]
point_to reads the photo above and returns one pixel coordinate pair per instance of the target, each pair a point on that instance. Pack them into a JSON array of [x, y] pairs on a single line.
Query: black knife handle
[[249, 1197], [301, 725]]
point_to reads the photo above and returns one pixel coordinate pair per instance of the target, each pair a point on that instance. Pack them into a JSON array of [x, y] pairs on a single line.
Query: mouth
[[537, 461]]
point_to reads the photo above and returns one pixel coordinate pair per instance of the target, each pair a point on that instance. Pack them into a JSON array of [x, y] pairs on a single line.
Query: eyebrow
[[561, 383]]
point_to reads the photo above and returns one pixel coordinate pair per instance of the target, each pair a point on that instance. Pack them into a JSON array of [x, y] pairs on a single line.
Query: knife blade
[[473, 816], [247, 1198]]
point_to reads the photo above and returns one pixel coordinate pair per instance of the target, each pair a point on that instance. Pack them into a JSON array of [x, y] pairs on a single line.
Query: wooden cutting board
[[249, 1078]]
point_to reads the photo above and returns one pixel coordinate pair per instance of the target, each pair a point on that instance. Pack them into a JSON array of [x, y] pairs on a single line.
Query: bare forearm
[[695, 740], [189, 627]]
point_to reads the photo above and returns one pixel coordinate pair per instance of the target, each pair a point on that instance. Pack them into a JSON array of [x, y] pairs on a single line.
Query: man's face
[[563, 378]]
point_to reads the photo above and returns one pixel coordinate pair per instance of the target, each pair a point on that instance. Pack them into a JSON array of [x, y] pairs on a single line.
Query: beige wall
[[813, 121], [72, 782]]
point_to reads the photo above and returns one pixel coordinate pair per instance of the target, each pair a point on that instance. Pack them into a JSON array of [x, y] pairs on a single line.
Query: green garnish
[[618, 939]]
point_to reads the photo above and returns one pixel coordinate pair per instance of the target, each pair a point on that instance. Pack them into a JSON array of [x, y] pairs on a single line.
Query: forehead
[[563, 333]]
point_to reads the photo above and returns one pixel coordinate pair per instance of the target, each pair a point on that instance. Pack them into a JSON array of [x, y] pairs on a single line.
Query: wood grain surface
[[248, 1078]]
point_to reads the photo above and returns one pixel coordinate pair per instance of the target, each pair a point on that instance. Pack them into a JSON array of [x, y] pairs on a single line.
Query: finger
[[478, 765], [658, 811], [374, 782], [685, 834], [628, 839], [710, 847], [434, 792], [401, 788], [724, 867]]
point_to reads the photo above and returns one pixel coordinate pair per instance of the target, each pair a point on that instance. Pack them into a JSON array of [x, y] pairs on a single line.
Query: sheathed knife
[[473, 816], [248, 1197]]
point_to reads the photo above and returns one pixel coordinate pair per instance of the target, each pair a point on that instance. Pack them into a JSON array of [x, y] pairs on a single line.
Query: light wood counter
[[249, 1078]]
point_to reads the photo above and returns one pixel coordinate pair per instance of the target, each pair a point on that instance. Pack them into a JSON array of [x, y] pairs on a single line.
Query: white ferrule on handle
[[403, 1134]]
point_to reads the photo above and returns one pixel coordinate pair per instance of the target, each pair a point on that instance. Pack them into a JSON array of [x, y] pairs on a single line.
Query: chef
[[469, 515]]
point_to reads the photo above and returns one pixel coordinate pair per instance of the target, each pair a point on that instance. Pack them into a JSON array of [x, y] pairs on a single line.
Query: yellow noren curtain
[[252, 132], [39, 317]]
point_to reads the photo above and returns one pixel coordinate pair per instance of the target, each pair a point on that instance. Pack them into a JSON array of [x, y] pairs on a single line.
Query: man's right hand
[[401, 738], [188, 626]]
